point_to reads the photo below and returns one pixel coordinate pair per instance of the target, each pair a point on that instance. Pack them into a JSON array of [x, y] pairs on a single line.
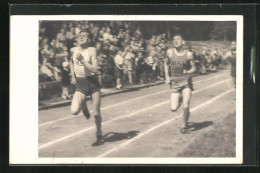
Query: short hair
[[88, 33], [178, 34]]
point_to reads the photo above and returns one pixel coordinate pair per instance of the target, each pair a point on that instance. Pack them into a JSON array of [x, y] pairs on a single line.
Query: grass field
[[220, 141]]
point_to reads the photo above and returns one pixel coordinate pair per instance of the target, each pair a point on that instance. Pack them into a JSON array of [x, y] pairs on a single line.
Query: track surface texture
[[140, 124]]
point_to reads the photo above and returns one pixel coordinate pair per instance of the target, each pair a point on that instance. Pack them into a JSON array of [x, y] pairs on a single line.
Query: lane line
[[162, 124], [121, 117], [123, 102]]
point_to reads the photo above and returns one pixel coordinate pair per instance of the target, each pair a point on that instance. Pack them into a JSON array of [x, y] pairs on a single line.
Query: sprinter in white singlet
[[84, 70]]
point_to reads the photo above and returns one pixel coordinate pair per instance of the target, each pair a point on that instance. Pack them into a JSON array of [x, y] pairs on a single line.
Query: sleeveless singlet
[[178, 63], [89, 56]]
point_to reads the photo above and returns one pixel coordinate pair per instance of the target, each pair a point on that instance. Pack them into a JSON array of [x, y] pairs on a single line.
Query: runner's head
[[178, 40], [83, 37], [233, 45]]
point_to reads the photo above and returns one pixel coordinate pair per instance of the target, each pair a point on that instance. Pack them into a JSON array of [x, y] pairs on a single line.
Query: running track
[[137, 123]]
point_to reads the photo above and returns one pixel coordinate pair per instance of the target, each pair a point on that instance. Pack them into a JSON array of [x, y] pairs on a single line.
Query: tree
[[223, 31]]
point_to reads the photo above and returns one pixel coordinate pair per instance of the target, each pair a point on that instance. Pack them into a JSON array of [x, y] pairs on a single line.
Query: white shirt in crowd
[[107, 36], [119, 59], [129, 56]]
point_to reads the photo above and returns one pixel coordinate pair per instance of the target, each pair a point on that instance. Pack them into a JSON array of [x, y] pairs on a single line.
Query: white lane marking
[[123, 102], [161, 124], [124, 116]]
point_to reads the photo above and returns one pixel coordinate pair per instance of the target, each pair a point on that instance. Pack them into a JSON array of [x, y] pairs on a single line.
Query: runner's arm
[[192, 63], [92, 67], [166, 69], [73, 77]]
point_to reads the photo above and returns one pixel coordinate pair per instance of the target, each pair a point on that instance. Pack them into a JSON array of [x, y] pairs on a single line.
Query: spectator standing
[[61, 37], [119, 69], [65, 79], [160, 61], [231, 58], [149, 61], [70, 38], [128, 57]]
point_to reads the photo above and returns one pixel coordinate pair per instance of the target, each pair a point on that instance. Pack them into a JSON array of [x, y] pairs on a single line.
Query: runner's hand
[[80, 58]]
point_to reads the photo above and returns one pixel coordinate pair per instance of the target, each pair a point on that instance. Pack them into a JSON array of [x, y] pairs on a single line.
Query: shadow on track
[[200, 125], [114, 136]]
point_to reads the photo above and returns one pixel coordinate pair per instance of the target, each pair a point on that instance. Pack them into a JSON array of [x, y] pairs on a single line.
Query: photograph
[[129, 89]]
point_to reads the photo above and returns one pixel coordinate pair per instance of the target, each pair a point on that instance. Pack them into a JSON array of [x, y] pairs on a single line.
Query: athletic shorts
[[87, 85], [128, 65], [178, 86]]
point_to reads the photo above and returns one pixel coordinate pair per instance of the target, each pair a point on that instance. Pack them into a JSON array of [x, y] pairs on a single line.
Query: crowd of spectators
[[124, 56]]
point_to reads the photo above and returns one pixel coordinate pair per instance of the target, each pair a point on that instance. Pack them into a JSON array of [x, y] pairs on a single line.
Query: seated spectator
[[61, 53], [48, 66]]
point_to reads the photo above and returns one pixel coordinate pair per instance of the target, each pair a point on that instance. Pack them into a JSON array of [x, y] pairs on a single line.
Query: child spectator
[[119, 69]]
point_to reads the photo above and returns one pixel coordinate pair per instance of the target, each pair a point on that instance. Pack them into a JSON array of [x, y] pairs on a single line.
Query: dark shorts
[[118, 73], [87, 85], [178, 86]]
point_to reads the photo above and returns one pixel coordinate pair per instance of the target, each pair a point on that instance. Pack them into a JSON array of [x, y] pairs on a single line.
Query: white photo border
[[23, 119]]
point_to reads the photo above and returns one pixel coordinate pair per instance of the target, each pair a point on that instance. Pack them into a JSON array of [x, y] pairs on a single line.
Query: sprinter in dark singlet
[[181, 64]]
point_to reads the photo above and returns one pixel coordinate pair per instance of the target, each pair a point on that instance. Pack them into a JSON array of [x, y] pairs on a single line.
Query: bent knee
[[174, 108], [75, 111]]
